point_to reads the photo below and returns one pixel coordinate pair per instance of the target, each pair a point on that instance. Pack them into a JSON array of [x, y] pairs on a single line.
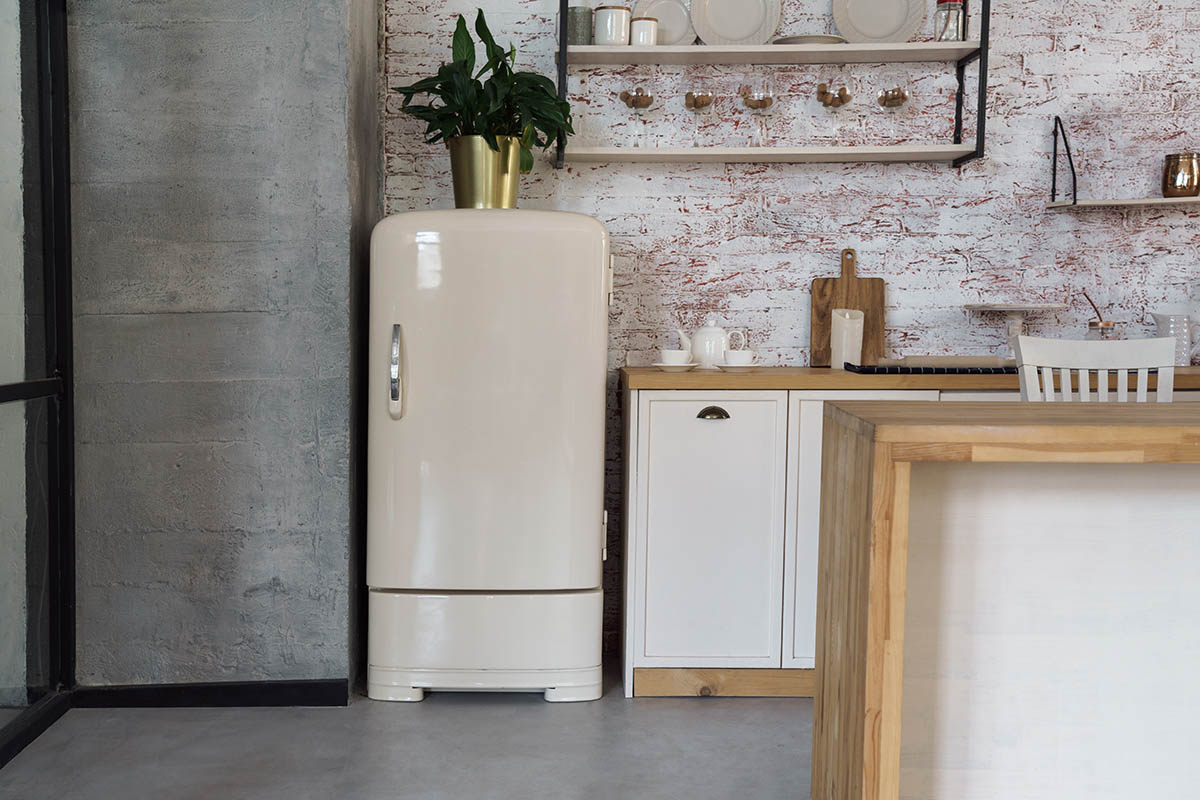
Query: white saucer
[[675, 367], [738, 367]]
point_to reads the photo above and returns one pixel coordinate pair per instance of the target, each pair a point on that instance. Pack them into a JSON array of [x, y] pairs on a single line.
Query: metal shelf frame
[[980, 55]]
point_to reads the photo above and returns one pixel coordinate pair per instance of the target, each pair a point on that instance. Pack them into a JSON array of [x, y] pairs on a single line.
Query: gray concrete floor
[[9, 713], [452, 746]]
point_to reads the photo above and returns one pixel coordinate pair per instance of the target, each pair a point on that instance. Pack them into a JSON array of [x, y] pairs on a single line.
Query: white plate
[[675, 367], [751, 22], [878, 20], [674, 22], [811, 38], [738, 368]]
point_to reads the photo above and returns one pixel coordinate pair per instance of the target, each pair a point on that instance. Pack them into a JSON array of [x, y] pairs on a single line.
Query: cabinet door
[[710, 528], [806, 421]]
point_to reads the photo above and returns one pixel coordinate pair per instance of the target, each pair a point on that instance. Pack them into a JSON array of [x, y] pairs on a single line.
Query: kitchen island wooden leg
[[860, 642]]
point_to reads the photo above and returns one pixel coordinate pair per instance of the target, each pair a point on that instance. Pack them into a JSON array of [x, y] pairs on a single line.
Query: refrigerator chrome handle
[[395, 381]]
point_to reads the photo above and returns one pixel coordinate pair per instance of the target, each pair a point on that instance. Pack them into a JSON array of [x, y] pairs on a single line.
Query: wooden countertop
[[818, 378], [869, 449]]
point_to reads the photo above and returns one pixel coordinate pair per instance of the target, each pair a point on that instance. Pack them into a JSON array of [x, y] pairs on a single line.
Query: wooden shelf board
[[773, 54], [1131, 202], [791, 155]]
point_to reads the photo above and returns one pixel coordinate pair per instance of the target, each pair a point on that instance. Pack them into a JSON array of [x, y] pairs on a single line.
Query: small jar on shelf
[[950, 21], [579, 24], [611, 25], [1103, 330]]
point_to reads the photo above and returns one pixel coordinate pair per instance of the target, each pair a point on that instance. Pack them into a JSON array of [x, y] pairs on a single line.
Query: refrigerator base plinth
[[478, 642], [557, 686]]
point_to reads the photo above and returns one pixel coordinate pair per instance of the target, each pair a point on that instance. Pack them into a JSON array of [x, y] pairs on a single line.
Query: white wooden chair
[[1038, 359]]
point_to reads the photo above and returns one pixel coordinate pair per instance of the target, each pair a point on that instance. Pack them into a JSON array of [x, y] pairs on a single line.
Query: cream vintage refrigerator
[[485, 453]]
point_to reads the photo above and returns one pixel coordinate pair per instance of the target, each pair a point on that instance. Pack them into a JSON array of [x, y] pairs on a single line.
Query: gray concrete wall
[[12, 364], [213, 214]]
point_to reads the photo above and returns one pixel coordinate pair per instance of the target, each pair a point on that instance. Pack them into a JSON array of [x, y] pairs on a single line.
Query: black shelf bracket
[[561, 148], [1060, 128], [985, 20]]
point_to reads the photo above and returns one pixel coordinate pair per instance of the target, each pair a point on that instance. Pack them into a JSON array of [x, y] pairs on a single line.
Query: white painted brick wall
[[744, 241]]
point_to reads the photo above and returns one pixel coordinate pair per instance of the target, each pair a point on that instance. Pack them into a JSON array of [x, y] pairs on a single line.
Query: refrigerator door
[[488, 350]]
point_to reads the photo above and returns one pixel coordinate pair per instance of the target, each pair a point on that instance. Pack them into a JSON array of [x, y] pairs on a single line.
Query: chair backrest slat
[[1031, 386], [1043, 358], [1048, 383], [1166, 386]]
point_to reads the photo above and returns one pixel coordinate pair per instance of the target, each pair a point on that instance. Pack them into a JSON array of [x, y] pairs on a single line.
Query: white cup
[[611, 25], [739, 358], [675, 357], [643, 32]]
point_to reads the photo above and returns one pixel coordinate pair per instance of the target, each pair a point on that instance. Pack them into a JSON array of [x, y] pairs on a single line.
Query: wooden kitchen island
[[869, 451]]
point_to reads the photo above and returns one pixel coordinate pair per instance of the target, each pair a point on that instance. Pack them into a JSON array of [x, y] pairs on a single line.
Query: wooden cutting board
[[848, 291]]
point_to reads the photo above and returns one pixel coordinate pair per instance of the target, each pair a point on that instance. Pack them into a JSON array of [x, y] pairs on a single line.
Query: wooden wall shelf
[[774, 54], [770, 155], [959, 54], [1129, 203]]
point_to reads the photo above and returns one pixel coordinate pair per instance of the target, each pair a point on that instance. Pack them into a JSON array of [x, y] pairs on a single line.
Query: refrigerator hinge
[[608, 278], [604, 538]]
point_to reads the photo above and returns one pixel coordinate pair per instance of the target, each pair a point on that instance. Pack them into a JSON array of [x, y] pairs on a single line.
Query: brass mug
[[1181, 175]]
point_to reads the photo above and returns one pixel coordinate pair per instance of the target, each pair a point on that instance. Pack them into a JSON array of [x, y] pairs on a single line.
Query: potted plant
[[490, 126]]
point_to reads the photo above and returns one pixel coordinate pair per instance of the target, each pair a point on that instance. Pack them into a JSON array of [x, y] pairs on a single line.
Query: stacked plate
[[745, 22], [865, 21], [754, 22]]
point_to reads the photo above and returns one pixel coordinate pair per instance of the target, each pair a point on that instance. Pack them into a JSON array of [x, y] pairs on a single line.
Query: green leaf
[[494, 53], [464, 46], [461, 101]]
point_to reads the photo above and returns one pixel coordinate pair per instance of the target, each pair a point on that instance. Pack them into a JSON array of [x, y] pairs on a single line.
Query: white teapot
[[708, 345]]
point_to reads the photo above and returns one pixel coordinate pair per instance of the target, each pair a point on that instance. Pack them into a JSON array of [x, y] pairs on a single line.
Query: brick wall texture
[[742, 242]]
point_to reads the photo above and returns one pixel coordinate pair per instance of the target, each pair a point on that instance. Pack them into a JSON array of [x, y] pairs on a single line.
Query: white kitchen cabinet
[[708, 527], [723, 521], [806, 414]]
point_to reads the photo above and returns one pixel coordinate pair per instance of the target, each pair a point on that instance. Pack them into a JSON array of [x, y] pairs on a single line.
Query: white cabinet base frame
[[681, 682]]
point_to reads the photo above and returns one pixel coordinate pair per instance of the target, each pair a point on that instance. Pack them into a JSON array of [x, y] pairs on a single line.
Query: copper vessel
[[1181, 175]]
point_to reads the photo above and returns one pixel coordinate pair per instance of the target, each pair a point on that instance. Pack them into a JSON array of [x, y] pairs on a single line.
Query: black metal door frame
[[49, 29]]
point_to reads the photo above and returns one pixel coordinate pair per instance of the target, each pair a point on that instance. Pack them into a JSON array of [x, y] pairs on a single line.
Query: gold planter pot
[[483, 177]]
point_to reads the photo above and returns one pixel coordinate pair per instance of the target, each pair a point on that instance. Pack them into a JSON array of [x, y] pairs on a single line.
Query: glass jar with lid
[[611, 25], [1103, 330], [950, 21]]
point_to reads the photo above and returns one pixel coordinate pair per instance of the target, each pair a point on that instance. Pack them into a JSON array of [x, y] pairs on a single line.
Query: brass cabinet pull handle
[[713, 412]]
